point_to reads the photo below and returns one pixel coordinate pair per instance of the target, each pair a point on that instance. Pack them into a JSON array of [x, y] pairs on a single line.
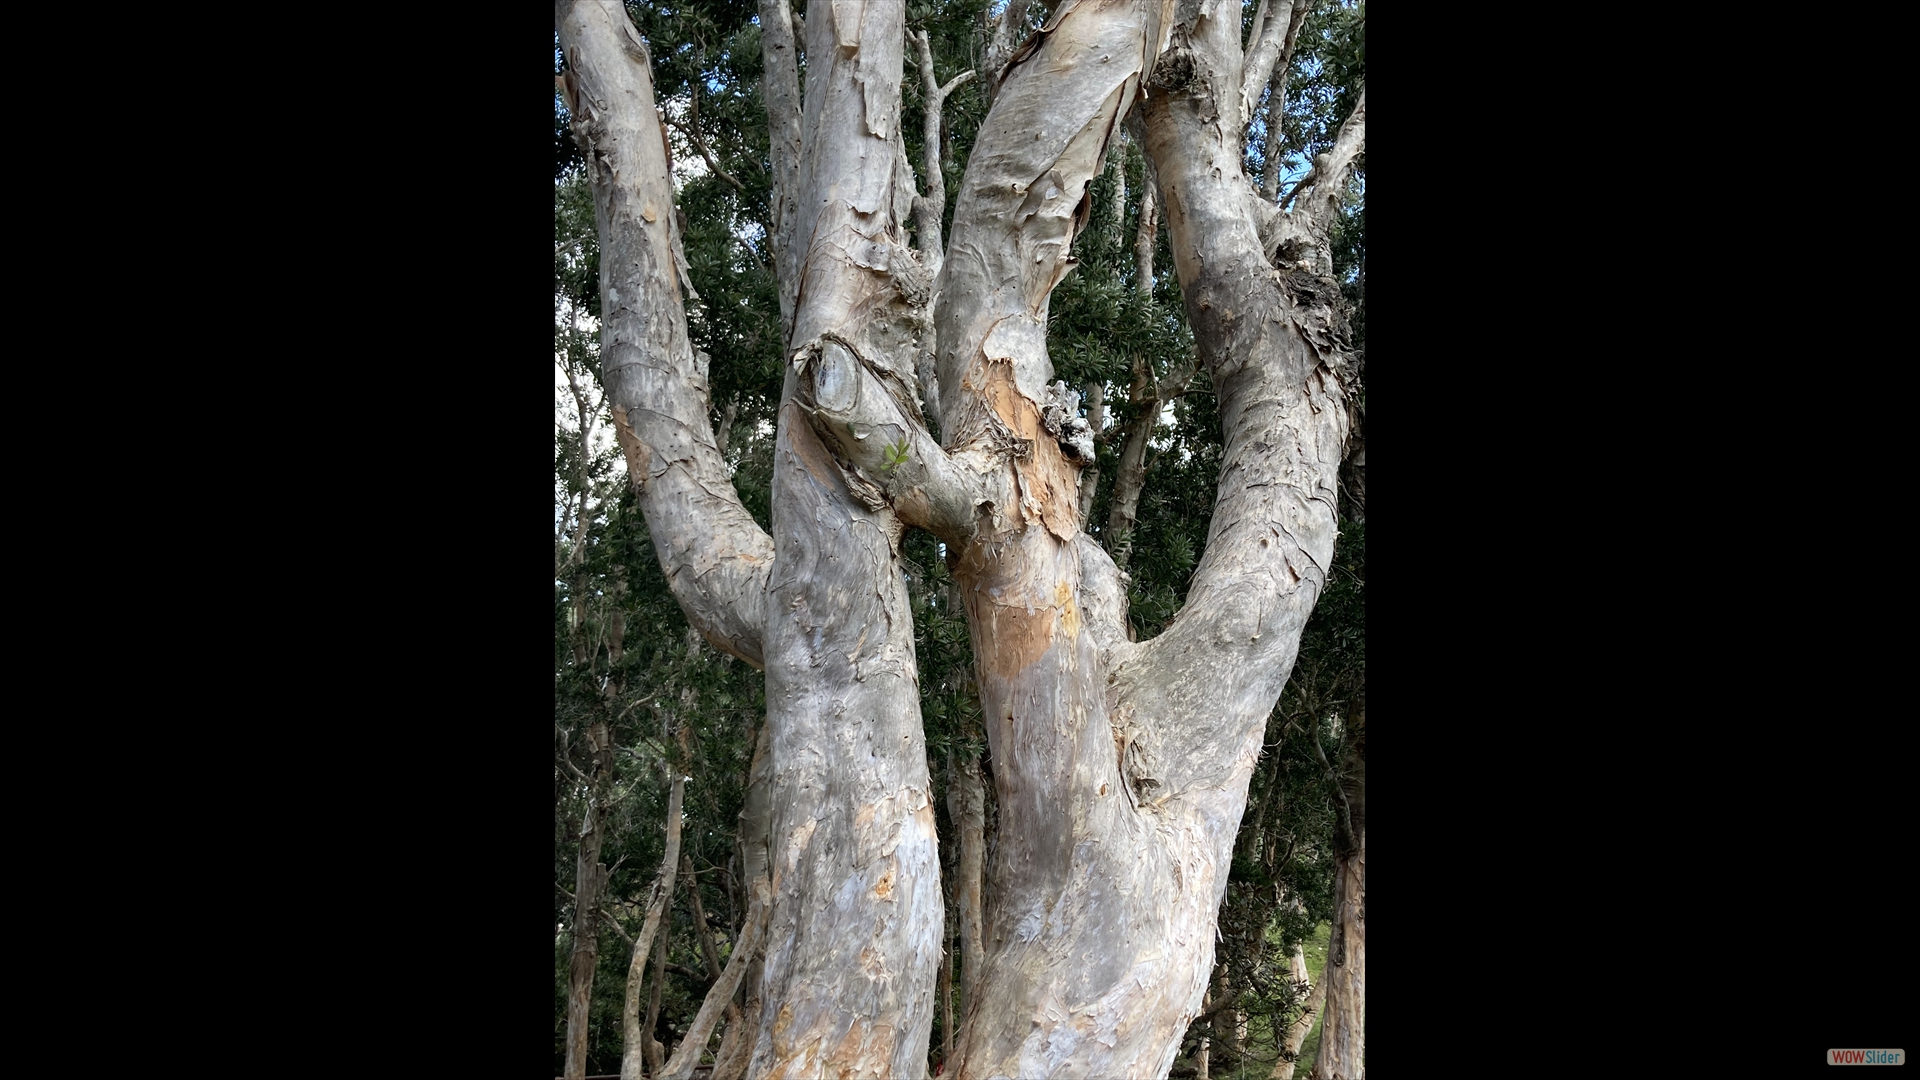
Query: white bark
[[854, 935], [634, 1038], [1297, 1031], [714, 555], [1121, 770]]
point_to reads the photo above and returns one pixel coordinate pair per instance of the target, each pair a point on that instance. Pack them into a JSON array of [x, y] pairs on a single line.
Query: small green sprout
[[896, 456]]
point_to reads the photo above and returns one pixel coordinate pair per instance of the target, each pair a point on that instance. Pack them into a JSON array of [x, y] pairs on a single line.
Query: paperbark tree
[[1120, 769]]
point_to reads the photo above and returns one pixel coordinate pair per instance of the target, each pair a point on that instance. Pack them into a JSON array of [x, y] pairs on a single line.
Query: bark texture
[[714, 555], [635, 1038], [589, 879], [1297, 1031], [1120, 769], [1343, 1035], [856, 910]]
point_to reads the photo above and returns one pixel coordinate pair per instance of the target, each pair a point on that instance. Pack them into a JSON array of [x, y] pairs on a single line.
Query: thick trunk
[[1120, 770], [854, 936]]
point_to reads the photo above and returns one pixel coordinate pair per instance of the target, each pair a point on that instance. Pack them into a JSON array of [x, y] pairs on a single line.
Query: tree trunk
[[634, 1038], [589, 878], [967, 805], [1120, 769], [1343, 1035], [854, 938], [1296, 1032]]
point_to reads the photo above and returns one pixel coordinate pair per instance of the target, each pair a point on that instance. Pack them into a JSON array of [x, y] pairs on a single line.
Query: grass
[[1259, 1033]]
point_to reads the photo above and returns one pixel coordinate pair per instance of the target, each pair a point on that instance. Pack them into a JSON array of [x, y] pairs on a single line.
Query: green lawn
[[1259, 1034]]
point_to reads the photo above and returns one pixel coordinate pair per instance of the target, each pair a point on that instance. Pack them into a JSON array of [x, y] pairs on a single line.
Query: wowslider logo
[[1866, 1057]]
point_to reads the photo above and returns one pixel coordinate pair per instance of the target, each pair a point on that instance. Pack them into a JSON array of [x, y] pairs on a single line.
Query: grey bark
[[1095, 395], [1343, 1033], [715, 557], [1146, 233], [967, 806], [854, 935], [930, 209], [589, 878], [780, 87], [1277, 98], [1121, 769], [634, 1038]]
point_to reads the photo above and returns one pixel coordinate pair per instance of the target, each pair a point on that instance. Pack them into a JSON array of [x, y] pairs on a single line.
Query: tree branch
[[780, 87], [892, 455], [1002, 38], [1331, 169], [691, 129], [680, 1067], [930, 210], [715, 556], [1257, 70]]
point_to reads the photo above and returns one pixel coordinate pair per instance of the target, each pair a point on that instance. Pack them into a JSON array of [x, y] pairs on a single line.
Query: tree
[[1120, 767]]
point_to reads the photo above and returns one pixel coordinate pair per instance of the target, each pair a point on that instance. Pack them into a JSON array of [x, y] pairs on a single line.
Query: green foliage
[[662, 681]]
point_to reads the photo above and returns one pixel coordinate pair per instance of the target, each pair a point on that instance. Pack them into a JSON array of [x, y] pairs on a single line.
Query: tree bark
[[714, 555], [967, 806], [1296, 1032], [633, 1036], [1343, 1034], [589, 878], [1120, 769], [854, 936]]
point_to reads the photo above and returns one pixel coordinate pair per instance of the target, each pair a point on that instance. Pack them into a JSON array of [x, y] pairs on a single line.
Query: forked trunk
[[1120, 769]]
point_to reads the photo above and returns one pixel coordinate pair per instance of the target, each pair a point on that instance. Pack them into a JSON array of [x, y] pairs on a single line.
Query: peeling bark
[[715, 557], [1120, 769], [848, 976]]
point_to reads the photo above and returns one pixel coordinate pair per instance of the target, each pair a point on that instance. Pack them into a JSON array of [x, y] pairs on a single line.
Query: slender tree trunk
[[1296, 1032], [589, 879], [726, 983], [650, 1047], [967, 806], [943, 988], [1343, 1034], [737, 1047], [633, 1047]]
